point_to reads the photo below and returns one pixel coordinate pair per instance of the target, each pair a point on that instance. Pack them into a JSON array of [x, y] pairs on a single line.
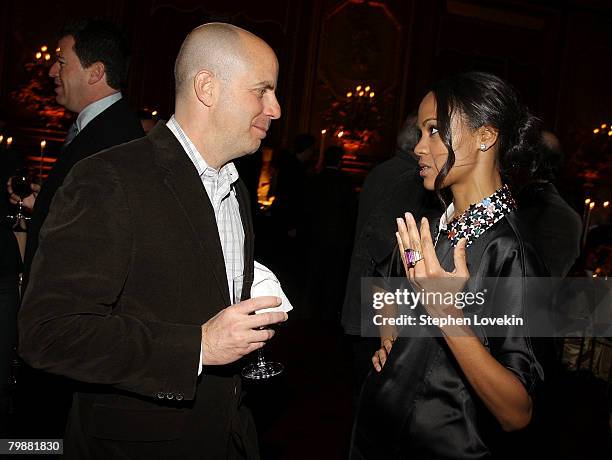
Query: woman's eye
[[432, 131]]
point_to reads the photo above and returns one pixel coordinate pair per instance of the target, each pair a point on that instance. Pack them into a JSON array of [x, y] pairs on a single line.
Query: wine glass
[[260, 369], [22, 187]]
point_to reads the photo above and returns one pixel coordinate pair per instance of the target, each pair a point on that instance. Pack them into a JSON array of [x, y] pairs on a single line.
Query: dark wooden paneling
[[555, 53]]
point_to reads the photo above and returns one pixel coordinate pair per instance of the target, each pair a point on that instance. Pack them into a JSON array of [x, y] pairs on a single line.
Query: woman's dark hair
[[97, 40], [483, 99]]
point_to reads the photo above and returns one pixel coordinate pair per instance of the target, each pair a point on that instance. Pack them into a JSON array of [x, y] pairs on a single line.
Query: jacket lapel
[[184, 183], [249, 244]]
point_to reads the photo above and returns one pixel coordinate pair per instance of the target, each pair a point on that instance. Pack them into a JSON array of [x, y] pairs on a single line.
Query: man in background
[[391, 189], [90, 69], [551, 224]]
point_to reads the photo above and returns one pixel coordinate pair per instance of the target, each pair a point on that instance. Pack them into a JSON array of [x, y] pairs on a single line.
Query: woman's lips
[[423, 170]]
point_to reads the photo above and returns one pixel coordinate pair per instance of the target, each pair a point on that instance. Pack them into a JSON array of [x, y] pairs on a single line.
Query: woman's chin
[[429, 185]]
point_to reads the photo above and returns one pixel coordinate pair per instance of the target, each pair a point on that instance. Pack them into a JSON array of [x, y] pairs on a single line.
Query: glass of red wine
[[22, 187]]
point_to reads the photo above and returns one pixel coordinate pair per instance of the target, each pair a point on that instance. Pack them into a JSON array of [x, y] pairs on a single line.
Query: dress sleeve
[[511, 297]]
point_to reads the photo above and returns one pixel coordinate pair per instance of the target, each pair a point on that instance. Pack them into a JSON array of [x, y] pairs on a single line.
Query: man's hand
[[28, 201], [232, 333]]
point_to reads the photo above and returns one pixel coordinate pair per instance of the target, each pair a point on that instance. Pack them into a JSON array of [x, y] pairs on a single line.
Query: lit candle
[[321, 148], [43, 144], [1, 138], [154, 113], [9, 142], [587, 222], [43, 48]]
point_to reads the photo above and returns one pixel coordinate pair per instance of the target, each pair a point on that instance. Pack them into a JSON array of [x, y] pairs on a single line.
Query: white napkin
[[265, 283]]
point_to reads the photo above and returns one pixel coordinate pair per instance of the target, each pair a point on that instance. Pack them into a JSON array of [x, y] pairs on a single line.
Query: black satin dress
[[421, 406]]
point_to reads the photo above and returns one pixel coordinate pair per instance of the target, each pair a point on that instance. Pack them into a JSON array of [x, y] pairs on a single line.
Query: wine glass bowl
[[22, 187]]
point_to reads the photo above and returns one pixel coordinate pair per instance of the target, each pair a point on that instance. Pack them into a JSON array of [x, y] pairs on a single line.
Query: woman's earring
[[483, 147]]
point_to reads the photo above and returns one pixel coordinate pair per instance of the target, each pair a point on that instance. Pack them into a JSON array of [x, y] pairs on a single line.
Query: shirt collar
[[478, 217], [204, 170], [446, 216], [96, 108]]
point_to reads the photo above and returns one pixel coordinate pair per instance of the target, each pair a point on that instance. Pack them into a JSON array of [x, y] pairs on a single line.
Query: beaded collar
[[478, 218]]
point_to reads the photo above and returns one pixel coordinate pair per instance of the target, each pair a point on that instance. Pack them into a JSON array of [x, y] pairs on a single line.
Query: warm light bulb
[[38, 55], [1, 138], [360, 93], [591, 205], [154, 113], [57, 50], [587, 201], [349, 94], [372, 94], [47, 57], [596, 130], [323, 131], [367, 88], [340, 134], [606, 204], [609, 133], [358, 88], [9, 140], [43, 48], [604, 126], [43, 143]]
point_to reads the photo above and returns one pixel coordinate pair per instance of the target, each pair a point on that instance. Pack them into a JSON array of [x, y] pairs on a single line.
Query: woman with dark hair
[[451, 391]]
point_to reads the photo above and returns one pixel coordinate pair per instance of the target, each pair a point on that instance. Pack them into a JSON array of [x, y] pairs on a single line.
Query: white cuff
[[200, 365]]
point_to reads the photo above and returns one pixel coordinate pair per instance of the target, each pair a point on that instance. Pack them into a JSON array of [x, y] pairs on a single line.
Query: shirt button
[[179, 396], [160, 395], [170, 396]]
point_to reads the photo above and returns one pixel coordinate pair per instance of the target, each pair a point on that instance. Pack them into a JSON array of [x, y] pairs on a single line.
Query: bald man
[[139, 253]]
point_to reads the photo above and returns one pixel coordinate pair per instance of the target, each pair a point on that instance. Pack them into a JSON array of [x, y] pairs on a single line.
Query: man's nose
[[273, 109], [54, 70]]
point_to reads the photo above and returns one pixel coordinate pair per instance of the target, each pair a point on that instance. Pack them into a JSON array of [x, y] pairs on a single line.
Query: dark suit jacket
[[390, 190], [129, 266], [115, 125], [551, 225]]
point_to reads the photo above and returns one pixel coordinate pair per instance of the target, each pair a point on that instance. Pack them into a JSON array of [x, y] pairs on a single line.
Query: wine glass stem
[[260, 358]]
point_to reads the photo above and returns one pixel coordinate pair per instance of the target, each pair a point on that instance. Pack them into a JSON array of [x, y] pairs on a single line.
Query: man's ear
[[488, 137], [97, 72], [204, 84]]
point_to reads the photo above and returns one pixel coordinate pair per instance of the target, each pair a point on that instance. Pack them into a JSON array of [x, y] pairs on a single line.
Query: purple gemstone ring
[[413, 256]]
